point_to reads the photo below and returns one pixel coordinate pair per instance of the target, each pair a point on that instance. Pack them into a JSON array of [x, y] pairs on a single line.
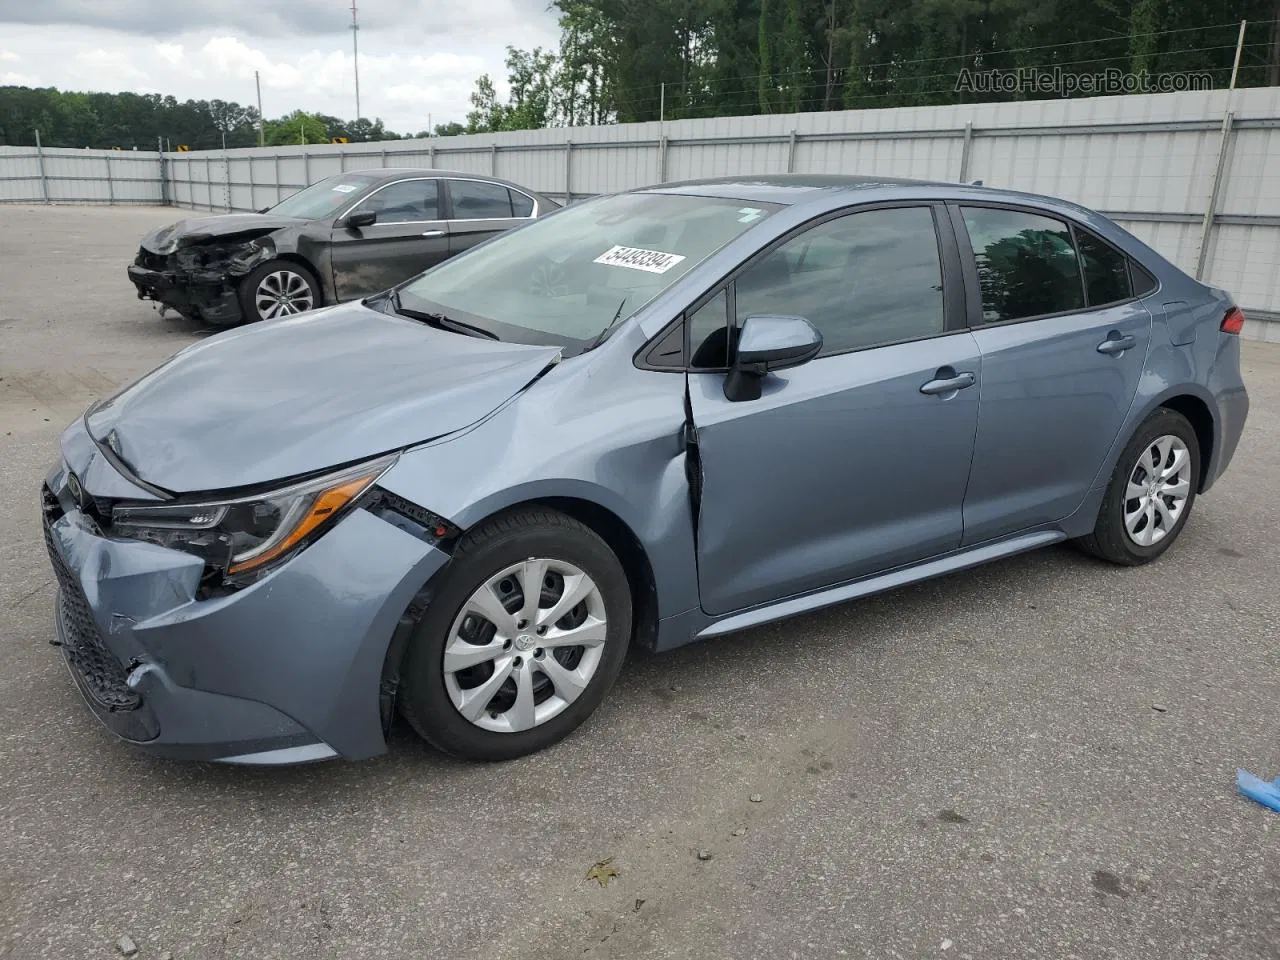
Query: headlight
[[245, 535]]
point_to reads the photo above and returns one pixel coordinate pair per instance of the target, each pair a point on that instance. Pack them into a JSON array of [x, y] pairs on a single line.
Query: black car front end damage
[[198, 276]]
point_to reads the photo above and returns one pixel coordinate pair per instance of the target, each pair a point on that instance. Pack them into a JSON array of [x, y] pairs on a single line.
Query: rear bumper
[[215, 302], [285, 670]]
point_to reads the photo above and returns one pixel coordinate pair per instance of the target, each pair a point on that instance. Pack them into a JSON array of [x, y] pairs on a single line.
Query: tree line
[[128, 120], [632, 60]]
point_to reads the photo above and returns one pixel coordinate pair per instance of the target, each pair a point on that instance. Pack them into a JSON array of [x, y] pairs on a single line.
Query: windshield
[[564, 279], [323, 198]]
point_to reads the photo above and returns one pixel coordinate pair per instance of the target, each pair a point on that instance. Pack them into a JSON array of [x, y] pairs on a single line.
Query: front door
[[856, 461], [1063, 345], [408, 237]]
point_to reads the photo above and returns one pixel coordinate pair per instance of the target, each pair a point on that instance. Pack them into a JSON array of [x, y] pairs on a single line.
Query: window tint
[[1106, 270], [473, 200], [521, 204], [709, 333], [404, 202], [862, 280], [1026, 264], [1143, 282]]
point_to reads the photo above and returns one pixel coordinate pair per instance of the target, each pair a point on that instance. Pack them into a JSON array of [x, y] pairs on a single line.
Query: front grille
[[103, 676]]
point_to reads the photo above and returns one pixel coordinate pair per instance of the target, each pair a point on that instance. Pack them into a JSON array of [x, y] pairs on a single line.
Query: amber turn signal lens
[[325, 504]]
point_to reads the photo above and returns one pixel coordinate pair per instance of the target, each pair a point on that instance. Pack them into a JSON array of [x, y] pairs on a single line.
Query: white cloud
[[8, 56], [407, 73], [17, 80], [170, 52]]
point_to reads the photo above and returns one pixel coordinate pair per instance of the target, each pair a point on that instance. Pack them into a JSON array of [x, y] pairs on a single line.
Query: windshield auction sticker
[[650, 261], [344, 188]]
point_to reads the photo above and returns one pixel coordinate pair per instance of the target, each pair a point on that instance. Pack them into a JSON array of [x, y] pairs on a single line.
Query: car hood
[[290, 397], [200, 229]]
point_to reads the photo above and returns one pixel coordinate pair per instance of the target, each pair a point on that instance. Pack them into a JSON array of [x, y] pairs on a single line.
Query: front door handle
[[949, 384], [434, 233], [1115, 344]]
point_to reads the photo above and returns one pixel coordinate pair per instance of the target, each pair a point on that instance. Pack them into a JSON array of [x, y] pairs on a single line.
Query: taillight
[[1233, 322]]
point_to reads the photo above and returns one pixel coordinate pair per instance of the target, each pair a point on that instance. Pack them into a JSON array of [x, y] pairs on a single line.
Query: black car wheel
[[1151, 492], [521, 641], [278, 288]]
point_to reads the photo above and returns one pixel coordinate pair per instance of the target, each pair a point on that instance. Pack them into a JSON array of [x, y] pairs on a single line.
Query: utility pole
[[355, 53], [257, 82]]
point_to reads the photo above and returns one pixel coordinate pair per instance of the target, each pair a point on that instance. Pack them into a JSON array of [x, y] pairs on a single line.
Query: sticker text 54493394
[[635, 258]]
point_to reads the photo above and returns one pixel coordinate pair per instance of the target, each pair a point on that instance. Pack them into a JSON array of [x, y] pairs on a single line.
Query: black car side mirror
[[361, 218], [766, 344]]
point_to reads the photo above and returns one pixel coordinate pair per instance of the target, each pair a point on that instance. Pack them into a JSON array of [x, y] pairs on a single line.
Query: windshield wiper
[[439, 320], [600, 337]]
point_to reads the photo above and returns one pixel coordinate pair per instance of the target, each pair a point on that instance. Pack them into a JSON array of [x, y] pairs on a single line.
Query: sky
[[418, 58]]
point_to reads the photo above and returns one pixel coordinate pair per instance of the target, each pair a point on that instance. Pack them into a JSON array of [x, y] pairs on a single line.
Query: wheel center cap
[[525, 641]]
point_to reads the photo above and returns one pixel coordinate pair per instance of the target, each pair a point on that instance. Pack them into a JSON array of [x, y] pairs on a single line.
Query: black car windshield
[[566, 278], [323, 198]]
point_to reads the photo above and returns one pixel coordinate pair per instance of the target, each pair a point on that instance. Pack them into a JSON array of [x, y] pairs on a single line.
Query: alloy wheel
[[525, 645], [282, 293], [1158, 489]]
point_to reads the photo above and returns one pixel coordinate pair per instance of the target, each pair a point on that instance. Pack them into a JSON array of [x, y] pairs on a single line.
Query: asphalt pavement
[[1035, 759]]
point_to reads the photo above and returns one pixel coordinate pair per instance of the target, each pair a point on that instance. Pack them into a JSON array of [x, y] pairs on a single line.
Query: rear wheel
[[1150, 494], [278, 288], [522, 640]]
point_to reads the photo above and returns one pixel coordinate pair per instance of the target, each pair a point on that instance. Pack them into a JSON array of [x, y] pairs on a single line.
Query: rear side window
[[474, 200], [1143, 282], [521, 205], [1106, 270], [1026, 263]]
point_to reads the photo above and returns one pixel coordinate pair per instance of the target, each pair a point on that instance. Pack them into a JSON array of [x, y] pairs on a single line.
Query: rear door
[[409, 236], [855, 461], [479, 209], [1063, 343]]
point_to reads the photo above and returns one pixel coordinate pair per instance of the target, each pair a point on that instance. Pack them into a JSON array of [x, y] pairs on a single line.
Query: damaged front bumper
[[199, 281], [287, 669]]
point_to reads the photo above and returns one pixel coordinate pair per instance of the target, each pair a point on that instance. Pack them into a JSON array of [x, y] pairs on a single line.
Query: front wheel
[[1150, 494], [278, 288], [521, 641]]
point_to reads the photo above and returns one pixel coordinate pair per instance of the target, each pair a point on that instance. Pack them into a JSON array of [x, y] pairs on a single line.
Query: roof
[[786, 187]]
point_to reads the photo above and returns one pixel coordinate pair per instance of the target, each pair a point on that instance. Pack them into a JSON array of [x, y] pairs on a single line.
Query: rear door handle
[[949, 384], [434, 233], [1115, 344]]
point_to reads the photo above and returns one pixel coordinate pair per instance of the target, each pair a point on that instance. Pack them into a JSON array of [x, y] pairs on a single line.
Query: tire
[[296, 283], [1111, 538], [492, 563]]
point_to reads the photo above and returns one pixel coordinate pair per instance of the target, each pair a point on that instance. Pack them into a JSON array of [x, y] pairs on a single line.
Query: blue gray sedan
[[649, 418]]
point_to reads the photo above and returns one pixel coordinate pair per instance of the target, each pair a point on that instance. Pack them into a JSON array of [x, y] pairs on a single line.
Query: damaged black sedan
[[342, 238]]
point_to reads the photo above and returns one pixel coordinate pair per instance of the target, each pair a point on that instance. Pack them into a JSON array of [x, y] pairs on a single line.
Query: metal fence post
[[164, 179], [431, 156], [1206, 225], [662, 159], [306, 168], [253, 203], [226, 176], [208, 182], [791, 153], [382, 157], [44, 182], [493, 159], [568, 171], [964, 151], [111, 190], [279, 181], [342, 161]]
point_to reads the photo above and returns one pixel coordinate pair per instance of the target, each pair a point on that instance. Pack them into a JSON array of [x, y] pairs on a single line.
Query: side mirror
[[766, 344], [361, 218]]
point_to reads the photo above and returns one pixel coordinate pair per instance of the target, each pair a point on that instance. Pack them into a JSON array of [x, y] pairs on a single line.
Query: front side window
[[409, 201], [324, 198], [864, 279], [565, 278], [474, 200], [1026, 263]]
